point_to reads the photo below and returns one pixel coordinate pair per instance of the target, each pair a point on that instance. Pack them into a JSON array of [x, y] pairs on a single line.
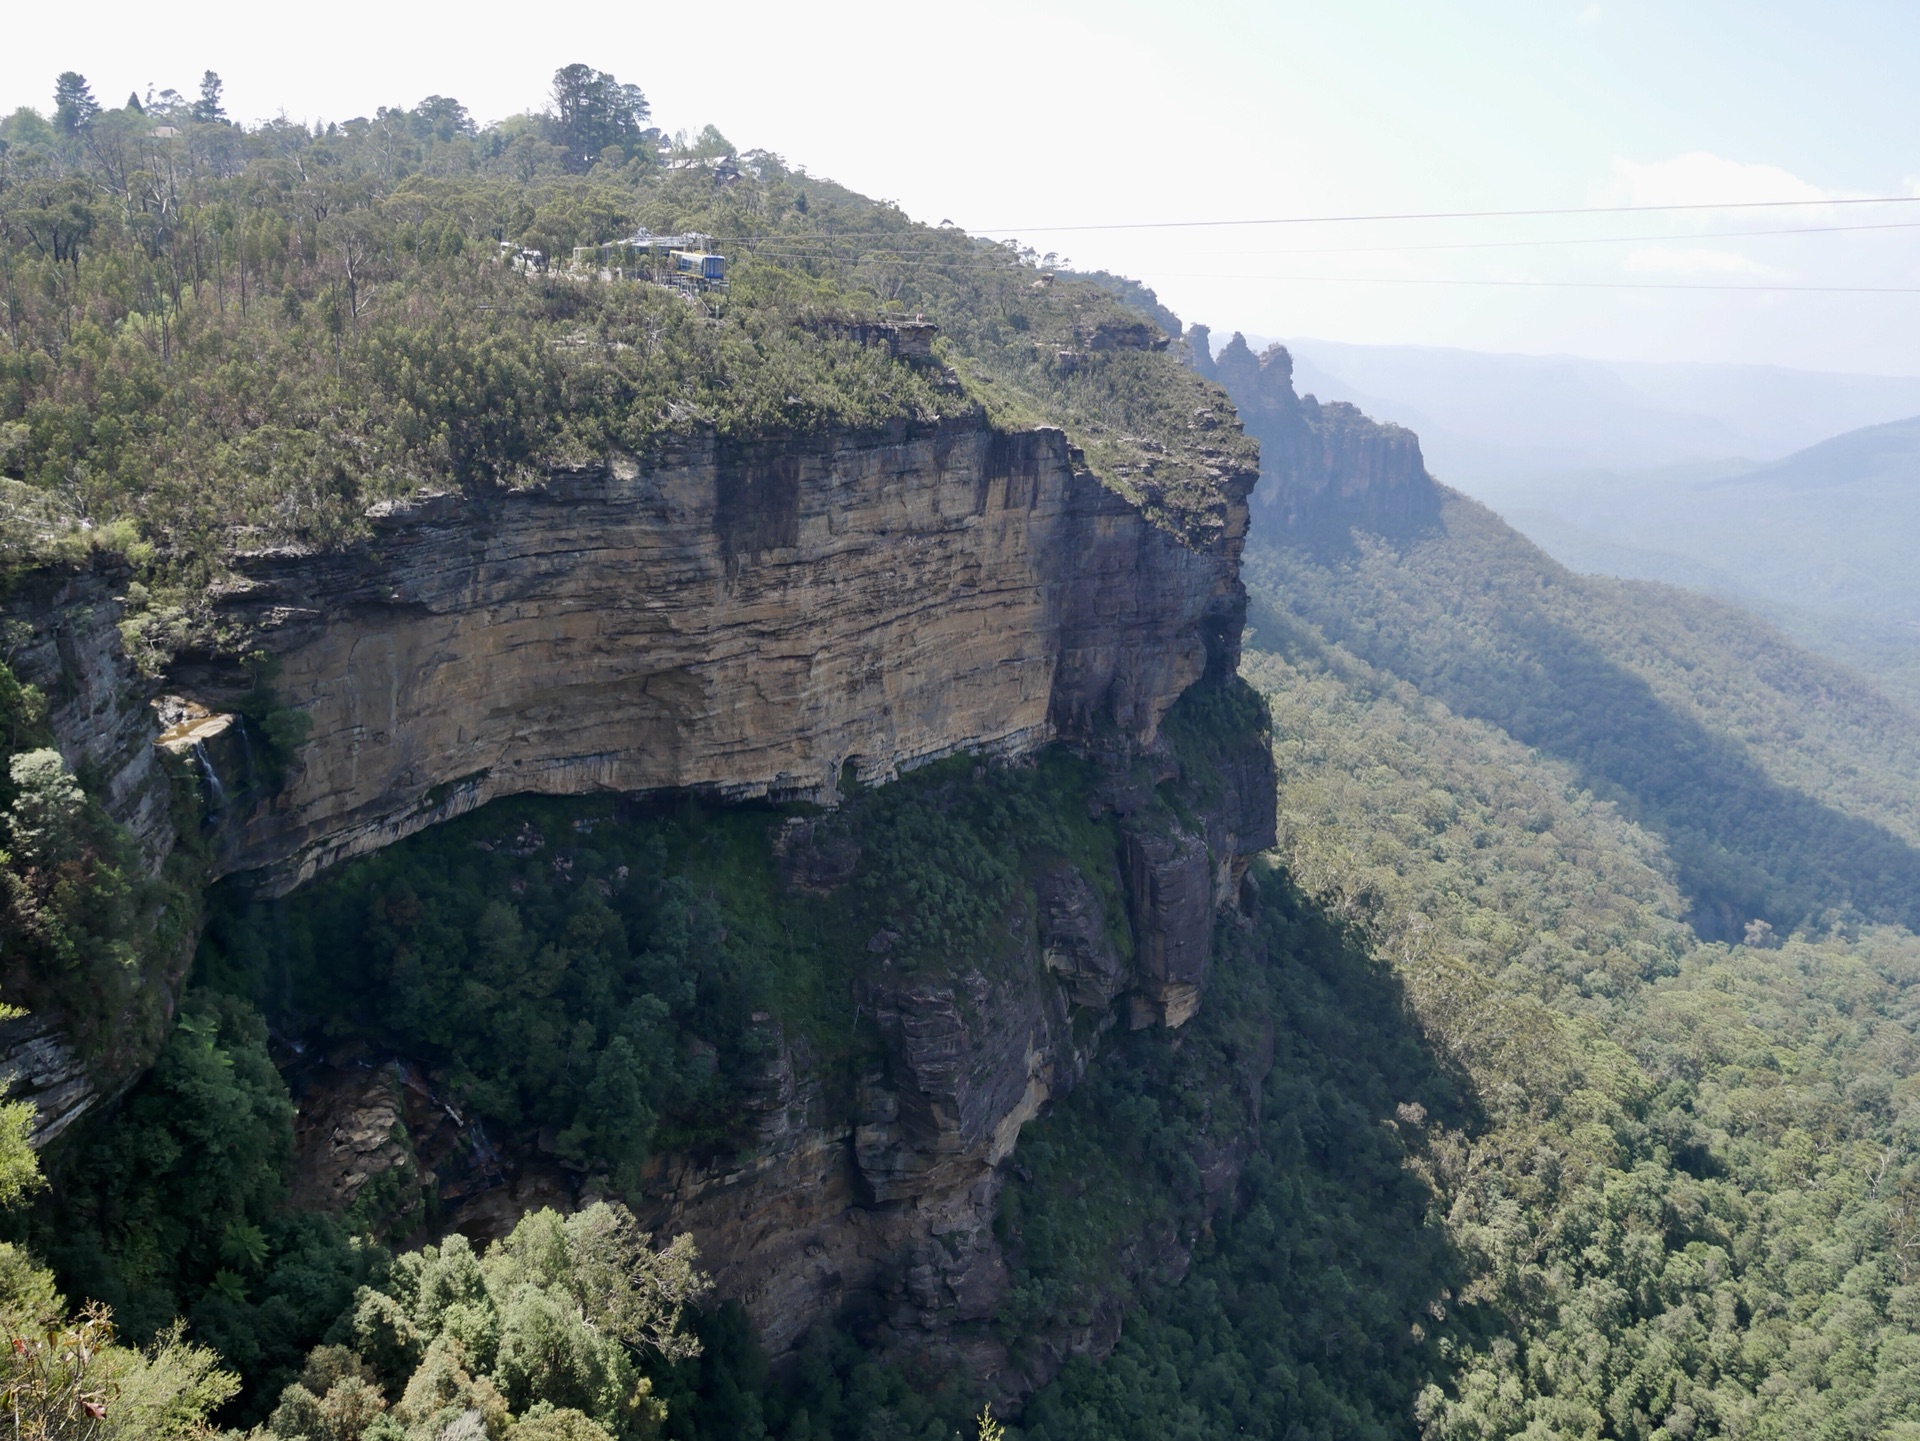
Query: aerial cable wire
[[1585, 284], [1459, 214], [983, 231], [801, 247], [1784, 288]]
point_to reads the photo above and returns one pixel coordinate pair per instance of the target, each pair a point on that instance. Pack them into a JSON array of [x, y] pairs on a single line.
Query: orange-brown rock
[[749, 620]]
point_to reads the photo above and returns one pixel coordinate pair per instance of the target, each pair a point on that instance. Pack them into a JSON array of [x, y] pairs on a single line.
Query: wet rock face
[[970, 1059], [747, 620], [39, 1064]]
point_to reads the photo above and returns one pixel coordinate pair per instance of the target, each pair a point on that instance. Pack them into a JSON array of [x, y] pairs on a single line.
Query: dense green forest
[[220, 337], [1536, 1161], [1786, 788], [1562, 1068]]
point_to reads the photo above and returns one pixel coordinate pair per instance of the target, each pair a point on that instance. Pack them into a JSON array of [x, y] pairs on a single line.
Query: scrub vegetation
[[1559, 1080]]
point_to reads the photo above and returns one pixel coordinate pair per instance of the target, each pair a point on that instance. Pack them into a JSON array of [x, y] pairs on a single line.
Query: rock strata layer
[[746, 620]]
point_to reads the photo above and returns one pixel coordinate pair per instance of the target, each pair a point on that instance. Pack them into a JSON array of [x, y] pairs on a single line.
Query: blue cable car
[[700, 265]]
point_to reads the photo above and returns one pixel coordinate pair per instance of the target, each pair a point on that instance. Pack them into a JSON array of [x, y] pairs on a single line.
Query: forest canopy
[[222, 337], [1558, 1074]]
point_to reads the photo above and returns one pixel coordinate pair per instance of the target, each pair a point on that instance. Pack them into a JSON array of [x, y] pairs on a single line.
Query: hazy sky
[[1009, 117]]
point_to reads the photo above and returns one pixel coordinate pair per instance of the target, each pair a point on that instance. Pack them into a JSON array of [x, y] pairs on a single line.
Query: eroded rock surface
[[872, 1198], [1323, 466], [745, 620], [39, 1064]]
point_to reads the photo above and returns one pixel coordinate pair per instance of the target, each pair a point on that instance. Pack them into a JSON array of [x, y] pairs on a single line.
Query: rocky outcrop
[[63, 636], [1170, 888], [882, 1211], [90, 1033], [748, 620], [39, 1064], [1323, 467], [352, 1130], [1076, 942], [872, 1197]]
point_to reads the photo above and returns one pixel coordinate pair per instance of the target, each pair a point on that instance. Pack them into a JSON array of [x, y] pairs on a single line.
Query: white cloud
[[1700, 178], [1588, 15], [1697, 260]]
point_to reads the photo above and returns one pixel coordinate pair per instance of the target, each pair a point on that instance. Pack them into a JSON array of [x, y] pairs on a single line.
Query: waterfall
[[216, 793], [246, 750]]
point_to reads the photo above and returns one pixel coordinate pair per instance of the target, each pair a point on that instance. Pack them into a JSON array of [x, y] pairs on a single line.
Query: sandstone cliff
[[757, 620], [1322, 467], [742, 620]]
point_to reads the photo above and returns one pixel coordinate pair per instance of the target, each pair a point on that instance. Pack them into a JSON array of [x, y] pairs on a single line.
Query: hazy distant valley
[[1744, 481], [644, 800]]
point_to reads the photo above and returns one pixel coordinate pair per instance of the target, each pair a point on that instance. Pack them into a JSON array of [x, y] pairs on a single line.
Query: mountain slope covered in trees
[[219, 337], [1559, 1077], [1536, 1160], [1786, 787], [1817, 542]]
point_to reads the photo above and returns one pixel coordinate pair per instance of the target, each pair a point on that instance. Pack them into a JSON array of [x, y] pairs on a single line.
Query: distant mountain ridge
[[1820, 542], [1485, 415], [1795, 492], [1889, 452], [1784, 786]]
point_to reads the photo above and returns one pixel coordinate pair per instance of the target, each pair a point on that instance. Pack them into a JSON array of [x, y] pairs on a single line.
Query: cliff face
[[64, 638], [748, 621], [741, 620], [83, 1040], [745, 620], [1322, 467], [870, 1196]]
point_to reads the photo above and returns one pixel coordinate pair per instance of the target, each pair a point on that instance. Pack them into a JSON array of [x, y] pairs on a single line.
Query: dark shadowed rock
[[1322, 467], [1074, 938], [1170, 888]]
